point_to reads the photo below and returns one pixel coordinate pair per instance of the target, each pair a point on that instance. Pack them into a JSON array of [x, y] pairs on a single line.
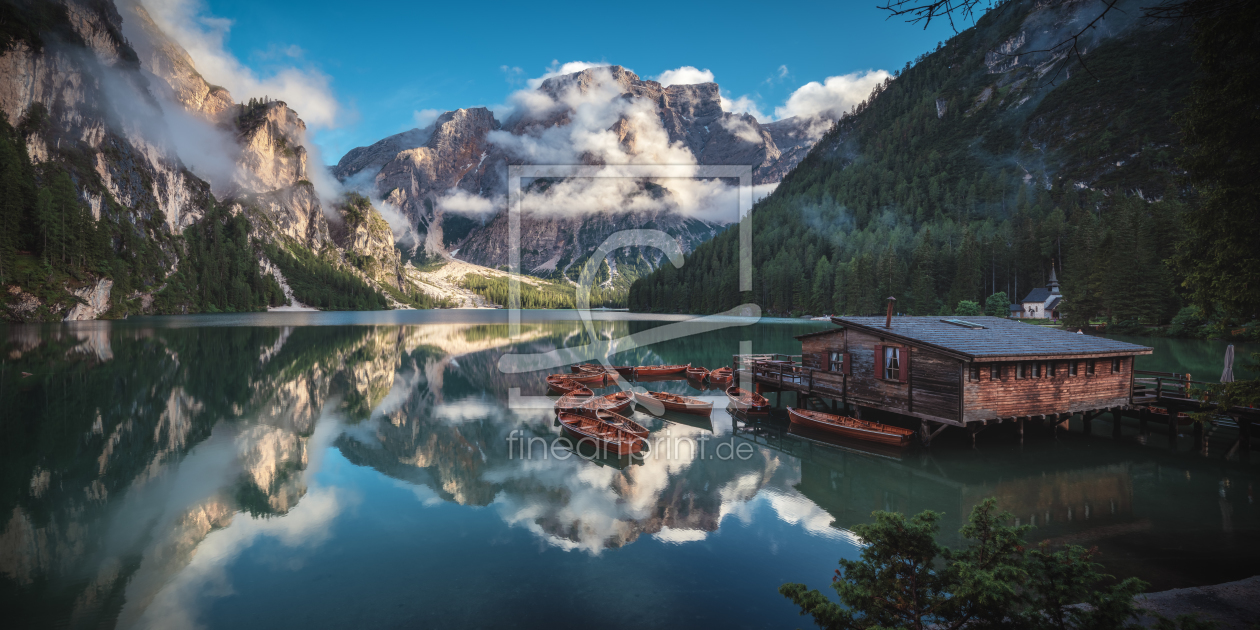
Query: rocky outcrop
[[95, 300], [171, 65], [452, 155], [271, 155]]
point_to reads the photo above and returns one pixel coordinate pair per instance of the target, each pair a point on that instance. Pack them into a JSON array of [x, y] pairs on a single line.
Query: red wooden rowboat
[[604, 435], [720, 376], [746, 400], [697, 373], [616, 402], [588, 378], [659, 370], [674, 402], [621, 422], [586, 368], [573, 402], [851, 427], [565, 385]]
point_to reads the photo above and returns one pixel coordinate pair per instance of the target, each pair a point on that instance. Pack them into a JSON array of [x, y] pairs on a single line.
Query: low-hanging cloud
[[558, 69], [425, 117], [743, 105], [601, 125], [151, 117], [833, 97], [686, 75], [305, 88], [460, 201]]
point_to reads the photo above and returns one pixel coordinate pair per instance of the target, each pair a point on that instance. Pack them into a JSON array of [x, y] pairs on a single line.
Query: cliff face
[[95, 108], [105, 96], [463, 156]]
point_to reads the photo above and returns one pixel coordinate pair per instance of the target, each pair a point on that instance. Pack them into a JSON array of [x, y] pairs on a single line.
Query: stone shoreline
[[1233, 605]]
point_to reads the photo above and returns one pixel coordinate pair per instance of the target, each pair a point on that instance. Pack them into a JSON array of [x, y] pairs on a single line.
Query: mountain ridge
[[403, 170]]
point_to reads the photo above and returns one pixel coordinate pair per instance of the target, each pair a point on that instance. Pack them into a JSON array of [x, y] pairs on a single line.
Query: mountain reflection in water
[[152, 471]]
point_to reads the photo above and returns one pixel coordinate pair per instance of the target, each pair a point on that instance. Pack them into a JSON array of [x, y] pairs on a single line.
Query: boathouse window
[[838, 362], [1036, 372], [1072, 368], [1050, 369], [995, 371], [1089, 367], [975, 372], [890, 363], [1021, 370], [1115, 365]]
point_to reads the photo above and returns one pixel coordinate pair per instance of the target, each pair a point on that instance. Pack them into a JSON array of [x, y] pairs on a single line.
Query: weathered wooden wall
[[931, 389], [936, 383], [1009, 396], [815, 351]]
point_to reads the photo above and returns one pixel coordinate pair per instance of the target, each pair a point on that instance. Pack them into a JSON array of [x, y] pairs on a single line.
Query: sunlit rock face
[[121, 105], [94, 101], [172, 65]]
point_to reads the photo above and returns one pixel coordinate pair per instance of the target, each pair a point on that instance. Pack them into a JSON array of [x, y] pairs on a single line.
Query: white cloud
[[743, 105], [425, 117], [742, 128], [602, 128], [558, 69], [686, 75], [307, 89], [461, 201], [783, 71], [833, 97]]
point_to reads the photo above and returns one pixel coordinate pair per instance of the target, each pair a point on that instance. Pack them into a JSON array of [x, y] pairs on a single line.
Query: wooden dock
[[1157, 397]]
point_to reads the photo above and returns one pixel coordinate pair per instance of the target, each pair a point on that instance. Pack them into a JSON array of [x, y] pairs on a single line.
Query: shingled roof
[[999, 337], [1038, 295]]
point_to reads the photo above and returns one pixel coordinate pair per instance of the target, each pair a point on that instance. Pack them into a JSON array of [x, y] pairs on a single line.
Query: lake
[[400, 469]]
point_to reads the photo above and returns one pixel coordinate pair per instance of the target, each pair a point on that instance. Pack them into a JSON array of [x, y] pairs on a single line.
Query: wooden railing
[[1165, 385], [788, 371]]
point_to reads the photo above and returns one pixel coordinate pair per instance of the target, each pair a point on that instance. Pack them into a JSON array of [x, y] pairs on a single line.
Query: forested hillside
[[972, 172]]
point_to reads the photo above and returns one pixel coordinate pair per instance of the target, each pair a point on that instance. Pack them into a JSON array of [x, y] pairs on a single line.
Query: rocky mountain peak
[[169, 62], [466, 152]]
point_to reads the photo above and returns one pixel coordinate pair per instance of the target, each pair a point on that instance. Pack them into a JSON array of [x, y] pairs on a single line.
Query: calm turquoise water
[[360, 469]]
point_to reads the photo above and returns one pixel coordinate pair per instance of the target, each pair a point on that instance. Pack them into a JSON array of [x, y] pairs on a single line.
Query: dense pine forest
[[962, 177], [50, 239]]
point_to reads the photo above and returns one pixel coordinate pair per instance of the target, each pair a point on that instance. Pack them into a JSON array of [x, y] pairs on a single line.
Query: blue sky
[[382, 62]]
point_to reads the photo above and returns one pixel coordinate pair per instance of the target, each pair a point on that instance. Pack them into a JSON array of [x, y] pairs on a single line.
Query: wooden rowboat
[[659, 370], [850, 427], [573, 402], [720, 376], [697, 373], [674, 402], [588, 368], [602, 434], [746, 400], [621, 422], [565, 385], [616, 402], [588, 378]]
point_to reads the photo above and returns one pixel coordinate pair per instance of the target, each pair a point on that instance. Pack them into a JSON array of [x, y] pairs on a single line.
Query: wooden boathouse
[[964, 372]]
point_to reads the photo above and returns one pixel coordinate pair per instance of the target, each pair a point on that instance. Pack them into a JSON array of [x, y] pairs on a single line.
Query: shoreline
[[1233, 605]]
